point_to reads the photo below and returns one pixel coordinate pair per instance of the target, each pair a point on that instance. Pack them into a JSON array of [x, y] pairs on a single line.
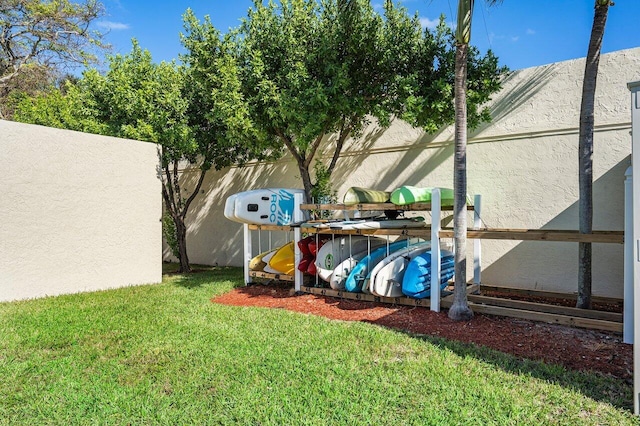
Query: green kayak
[[413, 194], [355, 195]]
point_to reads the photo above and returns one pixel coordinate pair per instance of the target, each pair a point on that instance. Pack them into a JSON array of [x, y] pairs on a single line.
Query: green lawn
[[164, 354]]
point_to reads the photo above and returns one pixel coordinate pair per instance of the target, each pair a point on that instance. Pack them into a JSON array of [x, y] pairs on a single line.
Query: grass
[[164, 354]]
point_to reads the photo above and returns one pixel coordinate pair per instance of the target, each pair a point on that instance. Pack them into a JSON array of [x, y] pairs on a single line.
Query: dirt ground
[[573, 348]]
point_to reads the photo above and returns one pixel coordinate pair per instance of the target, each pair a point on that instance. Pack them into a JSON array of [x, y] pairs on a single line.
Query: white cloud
[[429, 23], [515, 38], [116, 26], [530, 31]]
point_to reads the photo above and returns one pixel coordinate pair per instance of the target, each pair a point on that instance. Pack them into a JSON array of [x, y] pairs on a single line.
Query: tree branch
[[314, 146], [342, 137], [183, 214], [292, 149]]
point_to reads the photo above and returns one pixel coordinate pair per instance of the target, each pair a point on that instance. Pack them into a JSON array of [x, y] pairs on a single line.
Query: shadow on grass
[[609, 390], [612, 390], [202, 275]]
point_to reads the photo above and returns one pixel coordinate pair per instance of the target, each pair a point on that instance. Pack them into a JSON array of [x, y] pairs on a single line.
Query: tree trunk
[[178, 206], [585, 152], [181, 234], [460, 310], [306, 181]]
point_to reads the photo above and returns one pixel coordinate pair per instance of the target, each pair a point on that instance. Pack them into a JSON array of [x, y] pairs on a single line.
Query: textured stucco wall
[[524, 164], [79, 212]]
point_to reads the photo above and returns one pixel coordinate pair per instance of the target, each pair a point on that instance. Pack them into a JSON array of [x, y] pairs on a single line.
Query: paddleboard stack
[[359, 277], [340, 248], [416, 281], [386, 276], [354, 263]]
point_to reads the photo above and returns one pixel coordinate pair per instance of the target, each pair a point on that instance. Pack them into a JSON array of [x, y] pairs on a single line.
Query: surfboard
[[357, 195], [386, 277], [268, 206], [417, 222], [359, 273], [416, 282]]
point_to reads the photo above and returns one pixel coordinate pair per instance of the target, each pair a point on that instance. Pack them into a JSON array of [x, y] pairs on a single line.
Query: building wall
[[79, 212], [524, 164]]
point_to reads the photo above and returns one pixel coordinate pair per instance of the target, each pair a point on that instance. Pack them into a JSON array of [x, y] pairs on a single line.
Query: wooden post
[[298, 217], [247, 254]]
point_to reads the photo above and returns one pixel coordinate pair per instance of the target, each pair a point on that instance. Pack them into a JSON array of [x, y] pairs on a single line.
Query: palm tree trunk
[[585, 152], [460, 310]]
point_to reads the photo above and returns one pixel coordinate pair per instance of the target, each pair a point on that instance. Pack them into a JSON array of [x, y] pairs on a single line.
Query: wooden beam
[[407, 301], [569, 236], [271, 227], [409, 232], [376, 206], [473, 288], [615, 237], [278, 277], [555, 295], [589, 323], [543, 307]]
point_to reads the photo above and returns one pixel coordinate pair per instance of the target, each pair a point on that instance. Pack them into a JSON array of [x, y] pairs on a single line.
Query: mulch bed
[[573, 348]]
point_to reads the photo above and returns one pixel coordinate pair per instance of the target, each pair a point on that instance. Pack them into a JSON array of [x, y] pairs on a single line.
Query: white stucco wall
[[78, 212], [524, 164]]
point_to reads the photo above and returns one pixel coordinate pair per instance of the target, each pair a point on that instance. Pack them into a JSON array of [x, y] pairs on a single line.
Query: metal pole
[[435, 250], [627, 335], [477, 246], [635, 159]]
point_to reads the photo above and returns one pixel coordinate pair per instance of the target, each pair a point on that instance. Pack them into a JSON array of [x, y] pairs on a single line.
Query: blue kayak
[[416, 282], [359, 273]]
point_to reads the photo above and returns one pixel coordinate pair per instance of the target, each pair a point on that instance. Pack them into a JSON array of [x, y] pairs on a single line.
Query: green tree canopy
[[312, 69], [39, 39], [195, 113]]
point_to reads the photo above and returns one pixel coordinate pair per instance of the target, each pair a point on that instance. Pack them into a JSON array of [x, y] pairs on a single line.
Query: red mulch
[[573, 348]]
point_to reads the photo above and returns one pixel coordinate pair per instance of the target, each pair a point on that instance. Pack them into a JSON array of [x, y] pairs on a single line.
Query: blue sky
[[522, 33]]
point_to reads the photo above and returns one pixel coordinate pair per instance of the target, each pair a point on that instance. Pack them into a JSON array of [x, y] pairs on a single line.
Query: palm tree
[[585, 150], [460, 310]]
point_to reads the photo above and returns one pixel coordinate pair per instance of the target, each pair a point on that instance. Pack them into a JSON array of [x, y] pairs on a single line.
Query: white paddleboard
[[386, 276], [230, 206], [337, 249], [341, 272], [327, 273], [379, 224], [268, 206]]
